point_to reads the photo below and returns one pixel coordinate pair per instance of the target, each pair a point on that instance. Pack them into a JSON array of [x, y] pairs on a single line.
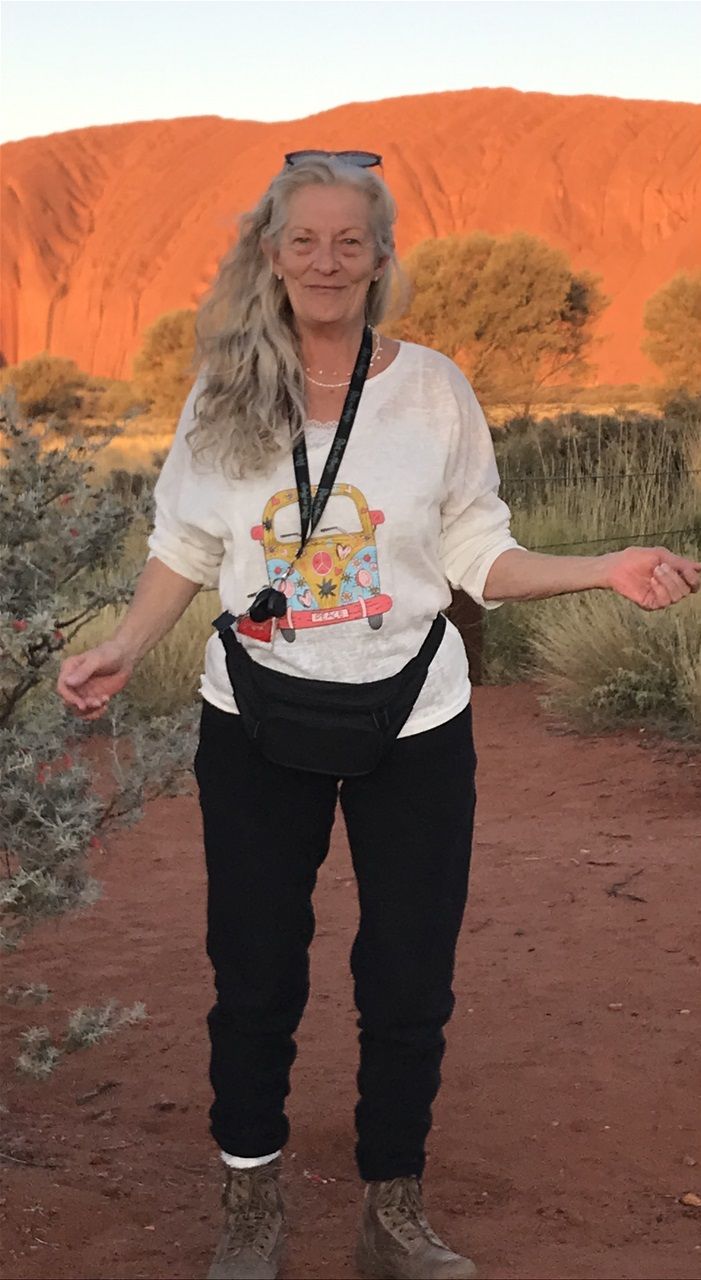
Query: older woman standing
[[351, 592]]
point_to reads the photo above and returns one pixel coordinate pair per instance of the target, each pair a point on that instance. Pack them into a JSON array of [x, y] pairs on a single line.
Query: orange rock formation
[[107, 228]]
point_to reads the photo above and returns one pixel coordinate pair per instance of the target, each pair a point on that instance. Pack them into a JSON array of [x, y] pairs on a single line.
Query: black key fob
[[269, 603]]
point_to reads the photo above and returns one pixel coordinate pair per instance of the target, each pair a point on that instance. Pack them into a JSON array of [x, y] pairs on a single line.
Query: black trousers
[[267, 831]]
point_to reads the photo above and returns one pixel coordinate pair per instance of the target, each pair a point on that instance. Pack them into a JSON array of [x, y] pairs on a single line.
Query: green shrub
[[62, 563], [28, 993], [45, 385], [39, 1054], [631, 695], [87, 1026]]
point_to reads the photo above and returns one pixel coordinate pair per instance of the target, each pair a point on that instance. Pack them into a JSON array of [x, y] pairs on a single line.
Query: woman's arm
[[650, 576], [87, 681], [160, 598]]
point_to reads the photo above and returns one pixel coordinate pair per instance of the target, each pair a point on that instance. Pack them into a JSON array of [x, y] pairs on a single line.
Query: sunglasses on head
[[363, 159]]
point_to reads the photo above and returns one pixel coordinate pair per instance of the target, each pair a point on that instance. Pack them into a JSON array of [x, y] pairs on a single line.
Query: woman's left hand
[[652, 576]]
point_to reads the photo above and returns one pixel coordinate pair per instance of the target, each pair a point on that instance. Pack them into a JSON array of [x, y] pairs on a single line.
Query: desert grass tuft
[[604, 663]]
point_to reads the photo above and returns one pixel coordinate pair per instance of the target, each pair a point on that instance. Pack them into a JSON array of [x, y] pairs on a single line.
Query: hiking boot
[[251, 1244], [397, 1243]]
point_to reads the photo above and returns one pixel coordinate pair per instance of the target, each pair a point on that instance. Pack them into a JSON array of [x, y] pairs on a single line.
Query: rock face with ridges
[[107, 228]]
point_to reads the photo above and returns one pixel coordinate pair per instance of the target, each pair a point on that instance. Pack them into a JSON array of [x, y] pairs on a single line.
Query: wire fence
[[619, 537], [531, 477], [536, 480]]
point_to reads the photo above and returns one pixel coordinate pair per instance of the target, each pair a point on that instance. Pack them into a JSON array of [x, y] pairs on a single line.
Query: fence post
[[467, 617]]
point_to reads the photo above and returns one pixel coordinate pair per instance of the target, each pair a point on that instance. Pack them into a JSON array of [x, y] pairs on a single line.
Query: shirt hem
[[441, 715]]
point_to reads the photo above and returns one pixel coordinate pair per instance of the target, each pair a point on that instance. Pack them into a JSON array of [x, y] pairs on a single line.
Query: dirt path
[[569, 1121]]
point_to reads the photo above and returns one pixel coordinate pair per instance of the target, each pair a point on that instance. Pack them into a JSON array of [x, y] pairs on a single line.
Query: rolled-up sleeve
[[475, 521], [180, 538]]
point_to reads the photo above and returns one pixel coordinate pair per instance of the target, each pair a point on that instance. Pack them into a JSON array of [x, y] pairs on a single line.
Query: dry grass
[[631, 497], [604, 662], [132, 451]]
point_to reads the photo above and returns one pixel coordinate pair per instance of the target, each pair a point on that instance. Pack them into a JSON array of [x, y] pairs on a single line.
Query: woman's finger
[[94, 713], [79, 669], [691, 575], [689, 570], [672, 587], [74, 682], [70, 696]]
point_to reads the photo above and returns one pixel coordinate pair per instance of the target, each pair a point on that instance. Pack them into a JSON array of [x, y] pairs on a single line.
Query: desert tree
[[510, 310], [164, 368], [672, 320]]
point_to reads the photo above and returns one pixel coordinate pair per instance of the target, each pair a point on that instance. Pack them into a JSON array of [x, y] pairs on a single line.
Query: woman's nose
[[325, 258]]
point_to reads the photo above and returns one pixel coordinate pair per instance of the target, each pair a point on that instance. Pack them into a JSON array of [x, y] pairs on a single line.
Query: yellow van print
[[336, 579]]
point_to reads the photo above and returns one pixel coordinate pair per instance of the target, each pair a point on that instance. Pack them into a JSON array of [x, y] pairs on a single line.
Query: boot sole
[[372, 1268]]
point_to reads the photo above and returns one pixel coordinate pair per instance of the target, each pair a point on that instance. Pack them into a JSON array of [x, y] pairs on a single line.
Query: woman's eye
[[350, 240], [301, 240]]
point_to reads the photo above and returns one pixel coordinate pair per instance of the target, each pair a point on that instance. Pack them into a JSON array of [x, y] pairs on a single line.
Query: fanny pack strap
[[418, 665], [431, 644]]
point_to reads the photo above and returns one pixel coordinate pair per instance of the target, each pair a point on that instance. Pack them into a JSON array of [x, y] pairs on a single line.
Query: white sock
[[247, 1162]]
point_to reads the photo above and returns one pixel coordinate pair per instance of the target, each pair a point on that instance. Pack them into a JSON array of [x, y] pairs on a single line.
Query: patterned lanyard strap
[[311, 510]]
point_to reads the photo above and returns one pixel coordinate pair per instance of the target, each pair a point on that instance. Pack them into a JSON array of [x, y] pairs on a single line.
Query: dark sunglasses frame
[[363, 159]]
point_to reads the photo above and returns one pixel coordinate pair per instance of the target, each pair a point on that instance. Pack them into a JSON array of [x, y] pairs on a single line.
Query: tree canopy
[[511, 311], [672, 321], [163, 369], [45, 385]]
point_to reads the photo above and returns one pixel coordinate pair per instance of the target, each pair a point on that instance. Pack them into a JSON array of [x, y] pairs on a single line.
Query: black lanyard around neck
[[311, 510], [271, 603]]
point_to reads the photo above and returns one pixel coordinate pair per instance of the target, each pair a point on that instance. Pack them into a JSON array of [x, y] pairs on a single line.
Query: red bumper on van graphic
[[299, 619]]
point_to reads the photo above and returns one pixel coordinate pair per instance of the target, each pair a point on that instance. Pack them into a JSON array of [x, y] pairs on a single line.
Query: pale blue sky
[[69, 63]]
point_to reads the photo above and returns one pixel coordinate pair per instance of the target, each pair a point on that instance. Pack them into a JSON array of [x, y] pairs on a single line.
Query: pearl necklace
[[376, 349]]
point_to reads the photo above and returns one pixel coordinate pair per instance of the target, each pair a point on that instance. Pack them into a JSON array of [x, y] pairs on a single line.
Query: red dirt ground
[[567, 1129]]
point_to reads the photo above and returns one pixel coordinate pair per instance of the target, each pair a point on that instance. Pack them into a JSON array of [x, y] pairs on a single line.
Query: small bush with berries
[[62, 564]]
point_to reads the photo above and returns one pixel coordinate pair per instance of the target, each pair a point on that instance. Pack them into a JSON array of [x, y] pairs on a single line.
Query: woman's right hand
[[87, 681]]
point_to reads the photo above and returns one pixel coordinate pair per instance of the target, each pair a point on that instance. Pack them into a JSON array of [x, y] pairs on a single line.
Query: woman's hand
[[87, 681], [652, 577]]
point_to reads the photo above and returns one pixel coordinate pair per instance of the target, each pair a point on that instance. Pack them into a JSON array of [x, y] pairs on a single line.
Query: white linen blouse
[[415, 507]]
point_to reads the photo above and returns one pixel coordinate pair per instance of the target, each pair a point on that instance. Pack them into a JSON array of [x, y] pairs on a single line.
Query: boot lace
[[251, 1207], [402, 1212]]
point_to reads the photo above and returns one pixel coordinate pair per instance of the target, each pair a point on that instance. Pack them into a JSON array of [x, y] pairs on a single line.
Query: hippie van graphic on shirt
[[336, 579]]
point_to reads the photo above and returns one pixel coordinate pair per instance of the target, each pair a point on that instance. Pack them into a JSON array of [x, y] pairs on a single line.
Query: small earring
[[278, 277]]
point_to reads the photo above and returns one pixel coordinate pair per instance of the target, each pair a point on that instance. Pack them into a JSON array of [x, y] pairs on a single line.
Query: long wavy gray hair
[[251, 407]]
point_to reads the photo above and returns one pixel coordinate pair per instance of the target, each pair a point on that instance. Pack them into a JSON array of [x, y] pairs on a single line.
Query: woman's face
[[327, 255]]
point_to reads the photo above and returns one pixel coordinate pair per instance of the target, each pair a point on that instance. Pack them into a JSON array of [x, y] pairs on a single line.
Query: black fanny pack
[[324, 726], [321, 725]]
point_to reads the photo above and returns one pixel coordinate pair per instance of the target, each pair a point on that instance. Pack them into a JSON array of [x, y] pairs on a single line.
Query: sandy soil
[[567, 1129]]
